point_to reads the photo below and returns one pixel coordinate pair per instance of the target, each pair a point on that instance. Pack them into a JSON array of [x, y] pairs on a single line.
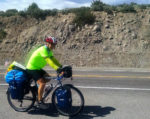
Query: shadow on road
[[89, 112], [51, 111]]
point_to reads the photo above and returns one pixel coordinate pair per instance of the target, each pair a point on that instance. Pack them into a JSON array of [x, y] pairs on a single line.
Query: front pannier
[[64, 98]]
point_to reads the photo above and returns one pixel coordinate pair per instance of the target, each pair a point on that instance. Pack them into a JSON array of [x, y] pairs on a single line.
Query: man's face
[[51, 46]]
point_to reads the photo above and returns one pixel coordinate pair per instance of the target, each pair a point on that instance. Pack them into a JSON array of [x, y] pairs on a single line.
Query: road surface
[[108, 95]]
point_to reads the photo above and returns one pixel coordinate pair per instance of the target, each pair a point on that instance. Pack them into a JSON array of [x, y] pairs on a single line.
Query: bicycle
[[30, 97]]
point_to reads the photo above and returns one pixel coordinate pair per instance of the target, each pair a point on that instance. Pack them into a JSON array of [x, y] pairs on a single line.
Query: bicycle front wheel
[[77, 101], [22, 105]]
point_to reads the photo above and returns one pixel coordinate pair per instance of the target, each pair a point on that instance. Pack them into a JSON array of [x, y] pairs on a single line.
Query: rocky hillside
[[117, 40]]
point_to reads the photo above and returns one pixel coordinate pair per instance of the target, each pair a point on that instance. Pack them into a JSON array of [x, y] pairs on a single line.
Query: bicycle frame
[[51, 86]]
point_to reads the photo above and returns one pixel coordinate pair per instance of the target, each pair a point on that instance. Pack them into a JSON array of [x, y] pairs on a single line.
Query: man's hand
[[59, 70]]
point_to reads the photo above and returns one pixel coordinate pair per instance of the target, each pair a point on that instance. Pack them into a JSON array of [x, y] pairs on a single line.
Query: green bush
[[97, 5], [114, 8], [125, 8], [108, 9], [2, 13], [22, 13], [83, 16], [72, 10], [11, 12], [8, 13], [65, 11], [33, 7], [143, 6], [38, 14], [35, 12], [2, 34], [54, 12]]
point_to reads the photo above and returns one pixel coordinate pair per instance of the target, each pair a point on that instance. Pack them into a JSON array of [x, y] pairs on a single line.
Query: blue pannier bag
[[64, 98], [16, 80]]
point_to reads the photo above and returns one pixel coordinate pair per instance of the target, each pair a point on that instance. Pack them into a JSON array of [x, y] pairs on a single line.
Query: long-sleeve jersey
[[41, 57]]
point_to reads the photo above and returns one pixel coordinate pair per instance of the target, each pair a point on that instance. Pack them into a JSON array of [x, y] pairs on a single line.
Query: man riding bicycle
[[42, 56]]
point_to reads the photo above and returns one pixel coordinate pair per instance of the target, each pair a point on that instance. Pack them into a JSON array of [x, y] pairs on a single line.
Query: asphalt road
[[108, 95]]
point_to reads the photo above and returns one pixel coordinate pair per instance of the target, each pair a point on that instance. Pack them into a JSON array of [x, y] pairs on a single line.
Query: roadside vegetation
[[83, 15], [2, 34], [33, 11]]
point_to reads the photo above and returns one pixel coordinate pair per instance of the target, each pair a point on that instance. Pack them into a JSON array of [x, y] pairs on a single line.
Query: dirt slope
[[118, 40]]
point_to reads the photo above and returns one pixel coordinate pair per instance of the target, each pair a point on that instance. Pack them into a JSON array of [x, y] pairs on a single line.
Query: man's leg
[[38, 75], [41, 82]]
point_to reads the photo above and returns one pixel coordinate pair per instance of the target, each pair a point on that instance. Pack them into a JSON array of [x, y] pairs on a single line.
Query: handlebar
[[61, 75]]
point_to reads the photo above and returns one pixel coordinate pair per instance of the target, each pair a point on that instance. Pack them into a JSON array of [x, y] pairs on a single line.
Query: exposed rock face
[[120, 40]]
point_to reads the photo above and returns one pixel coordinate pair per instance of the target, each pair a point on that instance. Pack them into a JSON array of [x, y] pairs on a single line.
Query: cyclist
[[40, 57]]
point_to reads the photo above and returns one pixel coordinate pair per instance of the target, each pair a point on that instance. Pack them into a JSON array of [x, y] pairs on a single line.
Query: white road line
[[108, 88], [114, 88], [4, 84]]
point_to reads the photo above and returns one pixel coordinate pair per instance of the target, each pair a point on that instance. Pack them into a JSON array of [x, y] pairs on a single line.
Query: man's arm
[[53, 63], [56, 61]]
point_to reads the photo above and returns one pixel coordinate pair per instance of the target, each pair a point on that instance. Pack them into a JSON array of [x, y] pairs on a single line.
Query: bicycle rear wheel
[[24, 104], [77, 102]]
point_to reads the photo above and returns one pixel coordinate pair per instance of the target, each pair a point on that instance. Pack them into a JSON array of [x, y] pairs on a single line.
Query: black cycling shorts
[[36, 74]]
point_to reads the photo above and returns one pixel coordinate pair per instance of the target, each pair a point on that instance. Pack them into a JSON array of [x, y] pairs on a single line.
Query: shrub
[[83, 16], [11, 12], [8, 13], [65, 11], [108, 9], [114, 8], [38, 14], [22, 13], [143, 6], [2, 13], [97, 5], [35, 12], [70, 10], [125, 8], [53, 12], [33, 7], [2, 34]]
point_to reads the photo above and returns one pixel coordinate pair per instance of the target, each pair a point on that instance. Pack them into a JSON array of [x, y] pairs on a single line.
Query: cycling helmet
[[50, 39]]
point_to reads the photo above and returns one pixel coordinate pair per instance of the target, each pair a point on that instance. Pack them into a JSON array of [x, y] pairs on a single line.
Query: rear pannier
[[16, 80]]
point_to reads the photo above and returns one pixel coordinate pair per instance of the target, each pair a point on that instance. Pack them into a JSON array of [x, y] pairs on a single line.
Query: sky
[[58, 4]]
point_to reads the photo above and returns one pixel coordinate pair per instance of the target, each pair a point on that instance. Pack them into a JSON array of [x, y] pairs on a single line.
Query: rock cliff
[[117, 40]]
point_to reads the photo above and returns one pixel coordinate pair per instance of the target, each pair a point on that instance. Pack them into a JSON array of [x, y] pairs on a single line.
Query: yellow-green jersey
[[41, 57]]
